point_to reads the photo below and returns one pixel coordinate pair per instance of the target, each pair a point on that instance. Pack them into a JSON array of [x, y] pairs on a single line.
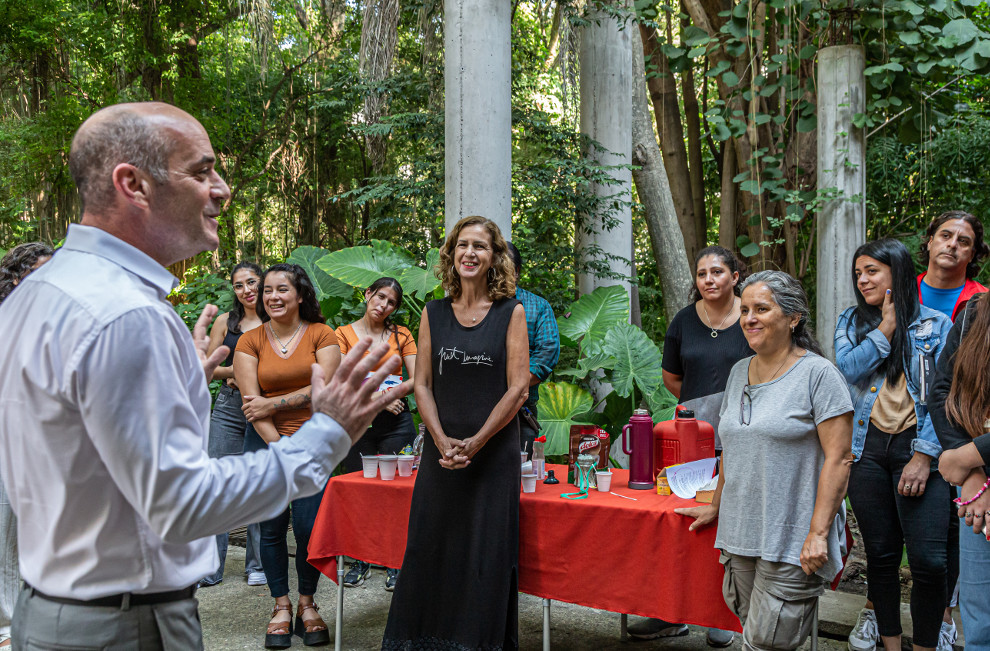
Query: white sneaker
[[947, 637], [865, 634], [256, 578]]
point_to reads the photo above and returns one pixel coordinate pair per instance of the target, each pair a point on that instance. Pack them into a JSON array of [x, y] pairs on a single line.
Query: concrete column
[[605, 58], [478, 111], [842, 171]]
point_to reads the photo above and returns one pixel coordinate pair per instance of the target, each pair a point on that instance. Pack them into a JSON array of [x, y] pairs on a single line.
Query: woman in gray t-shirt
[[786, 429]]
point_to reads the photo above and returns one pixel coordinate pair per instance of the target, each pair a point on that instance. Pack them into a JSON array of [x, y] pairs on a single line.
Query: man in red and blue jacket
[[952, 250]]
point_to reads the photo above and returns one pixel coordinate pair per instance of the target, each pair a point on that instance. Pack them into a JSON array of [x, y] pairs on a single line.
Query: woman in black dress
[[459, 587]]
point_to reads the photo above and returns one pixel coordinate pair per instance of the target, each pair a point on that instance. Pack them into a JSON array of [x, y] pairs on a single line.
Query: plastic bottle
[[539, 458]]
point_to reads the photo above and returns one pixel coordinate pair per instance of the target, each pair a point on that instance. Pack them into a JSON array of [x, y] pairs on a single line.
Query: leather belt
[[122, 601]]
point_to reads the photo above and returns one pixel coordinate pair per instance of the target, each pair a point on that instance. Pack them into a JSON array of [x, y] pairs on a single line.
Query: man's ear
[[132, 184]]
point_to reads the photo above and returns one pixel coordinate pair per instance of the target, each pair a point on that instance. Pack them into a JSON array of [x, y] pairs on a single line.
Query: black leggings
[[888, 522], [388, 434]]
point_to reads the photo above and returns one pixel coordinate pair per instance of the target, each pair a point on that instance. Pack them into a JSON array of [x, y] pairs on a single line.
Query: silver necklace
[[714, 331], [285, 346]]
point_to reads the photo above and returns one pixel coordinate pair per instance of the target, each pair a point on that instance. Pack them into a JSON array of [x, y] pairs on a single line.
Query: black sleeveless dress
[[458, 589]]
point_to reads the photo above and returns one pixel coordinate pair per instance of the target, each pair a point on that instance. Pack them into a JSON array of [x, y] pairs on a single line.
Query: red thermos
[[640, 430], [683, 439]]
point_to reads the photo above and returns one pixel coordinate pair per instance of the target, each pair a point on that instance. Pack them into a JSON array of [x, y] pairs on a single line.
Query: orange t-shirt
[[400, 343], [278, 376]]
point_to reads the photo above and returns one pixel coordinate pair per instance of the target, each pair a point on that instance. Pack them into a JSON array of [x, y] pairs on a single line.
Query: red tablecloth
[[604, 552]]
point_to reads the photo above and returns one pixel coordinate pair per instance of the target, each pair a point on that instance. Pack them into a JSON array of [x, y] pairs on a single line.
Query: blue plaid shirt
[[544, 340]]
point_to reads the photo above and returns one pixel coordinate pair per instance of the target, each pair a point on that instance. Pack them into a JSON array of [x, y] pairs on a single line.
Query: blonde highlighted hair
[[501, 275]]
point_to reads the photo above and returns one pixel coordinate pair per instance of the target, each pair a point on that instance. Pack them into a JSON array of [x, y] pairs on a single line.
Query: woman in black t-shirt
[[704, 339]]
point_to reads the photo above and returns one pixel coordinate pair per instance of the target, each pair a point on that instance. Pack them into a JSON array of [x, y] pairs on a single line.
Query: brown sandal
[[313, 631], [279, 634]]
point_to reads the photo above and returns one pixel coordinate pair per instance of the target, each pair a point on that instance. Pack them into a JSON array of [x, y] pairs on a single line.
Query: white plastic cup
[[388, 463], [406, 464], [370, 466], [523, 456], [529, 483], [604, 479]]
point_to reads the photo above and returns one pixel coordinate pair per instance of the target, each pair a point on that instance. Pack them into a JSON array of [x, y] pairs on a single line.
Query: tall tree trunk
[[654, 190], [693, 121], [663, 93], [378, 37], [727, 205]]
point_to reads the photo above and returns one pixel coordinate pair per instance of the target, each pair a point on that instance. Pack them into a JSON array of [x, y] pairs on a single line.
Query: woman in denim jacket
[[881, 345]]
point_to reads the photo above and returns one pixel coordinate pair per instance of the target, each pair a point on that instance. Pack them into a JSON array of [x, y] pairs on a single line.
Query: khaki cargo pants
[[774, 601]]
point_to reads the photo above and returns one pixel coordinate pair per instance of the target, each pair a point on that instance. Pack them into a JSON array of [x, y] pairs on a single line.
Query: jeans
[[227, 428], [974, 588], [888, 522], [388, 434], [275, 549]]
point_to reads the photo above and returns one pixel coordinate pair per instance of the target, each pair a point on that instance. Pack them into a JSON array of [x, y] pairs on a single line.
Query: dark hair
[[394, 285], [980, 248], [791, 299], [237, 312], [514, 254], [729, 259], [968, 403], [309, 309], [904, 294], [18, 263]]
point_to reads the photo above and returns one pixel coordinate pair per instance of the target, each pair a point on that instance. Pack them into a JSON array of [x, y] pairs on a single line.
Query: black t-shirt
[[703, 361]]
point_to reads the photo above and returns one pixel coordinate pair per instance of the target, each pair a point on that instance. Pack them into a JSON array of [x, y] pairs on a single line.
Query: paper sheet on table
[[688, 478]]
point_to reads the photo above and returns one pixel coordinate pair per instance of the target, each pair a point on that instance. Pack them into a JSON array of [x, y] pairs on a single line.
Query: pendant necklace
[[285, 346], [714, 331]]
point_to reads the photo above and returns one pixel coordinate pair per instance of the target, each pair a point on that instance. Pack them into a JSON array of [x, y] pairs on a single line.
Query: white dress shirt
[[104, 414]]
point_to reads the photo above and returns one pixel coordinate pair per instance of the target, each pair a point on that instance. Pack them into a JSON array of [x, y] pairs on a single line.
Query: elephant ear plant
[[616, 360]]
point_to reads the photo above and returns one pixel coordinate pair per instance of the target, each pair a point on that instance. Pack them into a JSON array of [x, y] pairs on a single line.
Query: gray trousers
[[774, 601], [10, 576], [42, 625]]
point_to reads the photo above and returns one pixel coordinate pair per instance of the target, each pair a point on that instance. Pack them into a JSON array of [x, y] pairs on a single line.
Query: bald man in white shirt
[[104, 406]]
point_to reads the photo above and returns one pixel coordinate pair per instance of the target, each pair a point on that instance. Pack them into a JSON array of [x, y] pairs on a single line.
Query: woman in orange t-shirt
[[392, 428], [273, 367]]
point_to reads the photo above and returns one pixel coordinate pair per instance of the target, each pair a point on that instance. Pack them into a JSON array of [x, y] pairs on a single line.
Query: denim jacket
[[858, 363]]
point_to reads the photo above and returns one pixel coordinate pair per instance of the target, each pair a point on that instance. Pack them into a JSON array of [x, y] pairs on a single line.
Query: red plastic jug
[[683, 439], [637, 442]]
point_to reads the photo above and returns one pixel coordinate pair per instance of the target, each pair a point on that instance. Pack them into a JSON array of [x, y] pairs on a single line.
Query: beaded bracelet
[[980, 492]]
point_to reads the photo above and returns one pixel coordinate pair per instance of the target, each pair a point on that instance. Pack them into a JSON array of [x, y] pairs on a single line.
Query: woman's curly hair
[[501, 275], [18, 263]]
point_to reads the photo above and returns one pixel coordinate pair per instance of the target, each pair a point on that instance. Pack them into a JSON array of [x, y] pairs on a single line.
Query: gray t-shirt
[[772, 464]]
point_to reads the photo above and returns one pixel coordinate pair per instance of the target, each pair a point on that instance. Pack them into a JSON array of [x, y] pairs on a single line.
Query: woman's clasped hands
[[456, 454]]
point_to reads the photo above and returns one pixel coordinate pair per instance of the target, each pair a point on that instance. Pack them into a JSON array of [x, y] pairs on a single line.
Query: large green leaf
[[560, 402], [327, 287], [637, 359], [421, 282], [662, 404], [359, 266], [592, 315], [612, 418]]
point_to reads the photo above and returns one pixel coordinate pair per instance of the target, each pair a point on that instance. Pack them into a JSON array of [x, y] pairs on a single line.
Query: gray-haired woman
[[14, 267], [786, 430]]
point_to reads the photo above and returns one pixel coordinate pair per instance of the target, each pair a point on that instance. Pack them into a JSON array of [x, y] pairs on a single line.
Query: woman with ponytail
[[883, 345], [392, 429], [960, 409]]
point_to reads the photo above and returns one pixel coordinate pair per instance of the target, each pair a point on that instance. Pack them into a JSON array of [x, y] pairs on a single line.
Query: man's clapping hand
[[351, 399]]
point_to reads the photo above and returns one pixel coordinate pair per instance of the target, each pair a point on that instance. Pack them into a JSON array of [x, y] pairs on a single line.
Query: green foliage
[[591, 316], [637, 360], [560, 402]]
